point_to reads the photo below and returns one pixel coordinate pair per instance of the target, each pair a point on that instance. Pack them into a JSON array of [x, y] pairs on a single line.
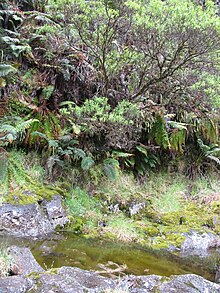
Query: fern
[[159, 132], [51, 162], [78, 153], [110, 167], [5, 69], [177, 140], [87, 163], [208, 152], [16, 131]]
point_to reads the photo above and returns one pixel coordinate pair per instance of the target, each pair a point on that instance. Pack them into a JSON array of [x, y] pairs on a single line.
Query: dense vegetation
[[93, 89]]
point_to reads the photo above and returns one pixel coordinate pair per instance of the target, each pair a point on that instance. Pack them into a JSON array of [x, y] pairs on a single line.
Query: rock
[[182, 284], [188, 284], [199, 244], [55, 211], [75, 280], [15, 284], [32, 219], [69, 280], [47, 247], [136, 208], [24, 262], [24, 220], [217, 275]]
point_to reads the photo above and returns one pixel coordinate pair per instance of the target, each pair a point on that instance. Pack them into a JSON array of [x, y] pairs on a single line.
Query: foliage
[[121, 228], [6, 262], [123, 79], [13, 129], [170, 201]]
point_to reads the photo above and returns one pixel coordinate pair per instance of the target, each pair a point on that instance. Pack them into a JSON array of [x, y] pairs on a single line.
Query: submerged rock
[[32, 219]]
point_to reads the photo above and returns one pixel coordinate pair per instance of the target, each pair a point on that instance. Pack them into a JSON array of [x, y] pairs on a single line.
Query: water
[[88, 254], [92, 254]]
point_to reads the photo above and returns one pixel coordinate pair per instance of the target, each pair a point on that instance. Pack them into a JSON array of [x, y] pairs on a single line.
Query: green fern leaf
[[5, 69], [87, 163], [109, 171], [78, 153], [142, 150]]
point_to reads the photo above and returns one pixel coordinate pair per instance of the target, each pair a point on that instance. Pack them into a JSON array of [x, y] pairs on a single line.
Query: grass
[[6, 262], [121, 228], [80, 203], [170, 200]]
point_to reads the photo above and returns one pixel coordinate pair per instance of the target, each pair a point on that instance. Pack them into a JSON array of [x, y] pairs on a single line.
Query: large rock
[[177, 284], [15, 284], [75, 280], [199, 244], [32, 219], [55, 211], [23, 261]]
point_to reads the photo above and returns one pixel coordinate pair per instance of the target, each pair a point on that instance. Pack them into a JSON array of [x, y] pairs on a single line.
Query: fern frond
[[109, 171], [87, 163], [5, 69], [213, 158], [78, 153]]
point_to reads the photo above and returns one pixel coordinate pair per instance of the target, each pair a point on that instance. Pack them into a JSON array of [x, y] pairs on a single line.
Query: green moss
[[30, 195]]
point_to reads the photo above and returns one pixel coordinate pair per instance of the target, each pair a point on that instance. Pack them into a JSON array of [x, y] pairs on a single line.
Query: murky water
[[89, 254], [92, 254]]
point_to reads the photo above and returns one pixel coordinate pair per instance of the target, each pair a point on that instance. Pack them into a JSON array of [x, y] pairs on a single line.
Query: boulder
[[23, 260], [70, 279], [199, 244], [55, 211], [32, 219], [75, 280], [24, 220], [189, 283], [15, 284]]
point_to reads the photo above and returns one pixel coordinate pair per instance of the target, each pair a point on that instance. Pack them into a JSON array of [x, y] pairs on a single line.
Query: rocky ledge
[[32, 220], [75, 280]]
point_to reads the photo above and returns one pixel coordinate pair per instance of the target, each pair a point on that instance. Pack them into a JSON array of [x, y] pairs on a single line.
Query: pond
[[106, 257]]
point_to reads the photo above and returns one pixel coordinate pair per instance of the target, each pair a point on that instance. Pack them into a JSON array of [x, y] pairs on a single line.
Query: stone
[[55, 211], [32, 220], [24, 262], [15, 284], [199, 244], [188, 283], [24, 220], [70, 279]]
